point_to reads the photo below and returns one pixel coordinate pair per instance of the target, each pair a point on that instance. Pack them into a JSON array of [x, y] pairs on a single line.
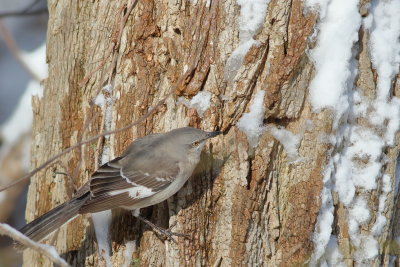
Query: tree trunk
[[261, 206]]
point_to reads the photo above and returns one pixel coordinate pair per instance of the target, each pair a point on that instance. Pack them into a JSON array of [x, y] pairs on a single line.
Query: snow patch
[[368, 249], [359, 211], [379, 225], [323, 228], [100, 100], [48, 250], [252, 15], [358, 164], [235, 60], [130, 248], [36, 60], [105, 101], [333, 256], [20, 122], [360, 161], [201, 102], [102, 220], [251, 123], [101, 223], [385, 44], [339, 24], [289, 141]]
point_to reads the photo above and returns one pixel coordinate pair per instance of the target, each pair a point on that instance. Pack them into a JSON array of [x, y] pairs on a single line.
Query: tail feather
[[52, 220]]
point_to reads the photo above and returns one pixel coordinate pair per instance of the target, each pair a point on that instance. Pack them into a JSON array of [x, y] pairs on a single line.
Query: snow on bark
[[252, 15], [201, 102], [102, 220], [358, 165]]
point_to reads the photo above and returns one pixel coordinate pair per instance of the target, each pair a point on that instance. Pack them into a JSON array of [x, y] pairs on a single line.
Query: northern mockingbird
[[151, 169]]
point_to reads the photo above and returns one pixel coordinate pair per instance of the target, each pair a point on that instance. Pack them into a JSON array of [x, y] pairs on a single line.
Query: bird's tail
[[52, 220]]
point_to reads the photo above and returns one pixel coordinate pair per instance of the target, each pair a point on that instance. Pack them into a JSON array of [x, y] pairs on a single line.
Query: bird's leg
[[165, 232]]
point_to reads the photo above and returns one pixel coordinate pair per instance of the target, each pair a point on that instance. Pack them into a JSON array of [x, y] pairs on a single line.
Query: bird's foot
[[166, 233]]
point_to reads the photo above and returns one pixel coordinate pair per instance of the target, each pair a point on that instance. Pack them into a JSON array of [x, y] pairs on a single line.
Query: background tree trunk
[[242, 207]]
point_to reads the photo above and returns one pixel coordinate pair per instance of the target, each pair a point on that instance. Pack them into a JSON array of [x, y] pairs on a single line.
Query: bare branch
[[26, 11], [49, 161], [46, 250], [114, 44], [12, 46], [23, 13], [179, 84]]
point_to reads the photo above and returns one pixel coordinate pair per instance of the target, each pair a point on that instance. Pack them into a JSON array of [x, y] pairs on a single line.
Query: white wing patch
[[134, 192], [126, 178]]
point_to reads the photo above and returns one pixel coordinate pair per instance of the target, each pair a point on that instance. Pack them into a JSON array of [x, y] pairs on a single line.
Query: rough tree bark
[[242, 208]]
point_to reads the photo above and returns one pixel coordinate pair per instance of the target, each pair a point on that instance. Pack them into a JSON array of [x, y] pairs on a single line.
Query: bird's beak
[[213, 134]]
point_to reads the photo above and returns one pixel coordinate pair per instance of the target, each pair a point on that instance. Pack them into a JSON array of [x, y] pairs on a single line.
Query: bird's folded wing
[[118, 183]]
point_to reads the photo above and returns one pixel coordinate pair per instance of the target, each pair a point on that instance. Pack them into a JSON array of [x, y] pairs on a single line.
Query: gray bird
[[152, 169]]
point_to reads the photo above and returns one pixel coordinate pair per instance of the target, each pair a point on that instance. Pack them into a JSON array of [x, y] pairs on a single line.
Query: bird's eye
[[194, 144]]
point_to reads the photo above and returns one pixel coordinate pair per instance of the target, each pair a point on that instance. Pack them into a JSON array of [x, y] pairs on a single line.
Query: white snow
[[338, 31], [381, 220], [368, 249], [333, 256], [251, 123], [385, 53], [359, 211], [105, 101], [36, 60], [360, 161], [48, 250], [100, 100], [101, 223], [130, 248], [358, 154], [385, 44], [252, 15], [20, 122], [387, 184], [343, 185], [289, 141], [318, 6], [323, 228], [235, 60], [201, 102], [379, 225], [102, 220]]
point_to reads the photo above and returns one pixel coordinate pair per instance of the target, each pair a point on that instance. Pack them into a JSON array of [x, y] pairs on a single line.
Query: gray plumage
[[151, 169]]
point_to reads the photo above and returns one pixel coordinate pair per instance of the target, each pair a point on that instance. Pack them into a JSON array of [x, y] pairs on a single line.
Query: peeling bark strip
[[246, 205]]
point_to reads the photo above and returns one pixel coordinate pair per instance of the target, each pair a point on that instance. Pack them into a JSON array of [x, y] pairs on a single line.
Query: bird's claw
[[166, 233]]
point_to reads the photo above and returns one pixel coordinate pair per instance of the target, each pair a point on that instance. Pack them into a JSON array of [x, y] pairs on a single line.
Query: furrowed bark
[[243, 206]]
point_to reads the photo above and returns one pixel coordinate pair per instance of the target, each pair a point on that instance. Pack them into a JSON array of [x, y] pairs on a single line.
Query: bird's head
[[190, 140]]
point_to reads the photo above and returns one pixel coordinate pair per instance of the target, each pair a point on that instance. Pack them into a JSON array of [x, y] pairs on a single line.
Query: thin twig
[[26, 11], [178, 84], [46, 250], [120, 30], [114, 44], [12, 46], [113, 47], [19, 13], [49, 161]]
